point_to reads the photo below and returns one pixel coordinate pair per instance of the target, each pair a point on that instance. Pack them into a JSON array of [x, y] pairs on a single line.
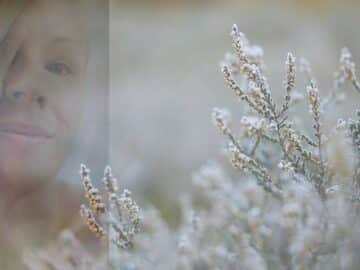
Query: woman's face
[[41, 101]]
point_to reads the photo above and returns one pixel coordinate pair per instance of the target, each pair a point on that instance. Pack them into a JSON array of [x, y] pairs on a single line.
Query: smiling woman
[[44, 55], [43, 91]]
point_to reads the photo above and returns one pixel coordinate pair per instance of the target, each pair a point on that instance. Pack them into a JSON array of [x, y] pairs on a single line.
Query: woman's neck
[[14, 193]]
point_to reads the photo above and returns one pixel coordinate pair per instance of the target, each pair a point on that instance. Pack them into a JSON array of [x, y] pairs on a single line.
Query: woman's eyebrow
[[69, 48]]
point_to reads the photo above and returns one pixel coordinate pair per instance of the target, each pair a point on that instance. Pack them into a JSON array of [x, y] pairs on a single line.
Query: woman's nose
[[23, 87], [26, 97], [22, 84]]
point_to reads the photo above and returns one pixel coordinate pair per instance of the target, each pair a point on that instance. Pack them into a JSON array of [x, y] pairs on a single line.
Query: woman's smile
[[24, 132]]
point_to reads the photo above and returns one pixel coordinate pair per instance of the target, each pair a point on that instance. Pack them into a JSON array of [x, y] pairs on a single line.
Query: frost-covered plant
[[268, 123], [293, 205], [295, 209], [122, 215]]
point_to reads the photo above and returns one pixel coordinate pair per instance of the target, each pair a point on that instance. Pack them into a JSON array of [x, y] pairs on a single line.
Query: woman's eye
[[58, 69]]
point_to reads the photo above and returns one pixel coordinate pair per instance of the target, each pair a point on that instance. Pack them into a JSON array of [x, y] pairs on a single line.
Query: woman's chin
[[26, 162], [21, 174]]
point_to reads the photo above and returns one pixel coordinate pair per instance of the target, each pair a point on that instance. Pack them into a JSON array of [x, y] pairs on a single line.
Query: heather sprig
[[121, 216], [301, 154]]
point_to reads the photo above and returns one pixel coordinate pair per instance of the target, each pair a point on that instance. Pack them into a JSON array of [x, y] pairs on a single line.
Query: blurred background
[[165, 78]]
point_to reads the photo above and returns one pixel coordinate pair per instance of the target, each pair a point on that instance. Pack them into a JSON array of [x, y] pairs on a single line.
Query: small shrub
[[294, 204]]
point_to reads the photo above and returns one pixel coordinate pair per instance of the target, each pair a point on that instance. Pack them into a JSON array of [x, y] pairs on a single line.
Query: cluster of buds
[[347, 70], [125, 219], [131, 208], [240, 160], [245, 163], [250, 71], [250, 65], [237, 41], [257, 97], [314, 101], [292, 140], [246, 53], [122, 216], [130, 224], [91, 222], [289, 82], [95, 201], [253, 125], [110, 181], [92, 194], [222, 119], [230, 81], [313, 97]]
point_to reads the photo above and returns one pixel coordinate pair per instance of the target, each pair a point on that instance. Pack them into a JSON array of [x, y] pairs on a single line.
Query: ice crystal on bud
[[238, 159], [341, 124], [234, 30], [221, 119], [286, 166]]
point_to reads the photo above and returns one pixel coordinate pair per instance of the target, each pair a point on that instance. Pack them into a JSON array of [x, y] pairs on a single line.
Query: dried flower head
[[91, 222], [92, 194], [122, 216]]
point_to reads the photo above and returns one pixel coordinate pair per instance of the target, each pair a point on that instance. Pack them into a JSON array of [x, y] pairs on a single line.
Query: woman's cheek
[[67, 107]]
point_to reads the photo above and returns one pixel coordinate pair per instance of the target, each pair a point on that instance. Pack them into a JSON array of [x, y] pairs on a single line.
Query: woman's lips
[[24, 131]]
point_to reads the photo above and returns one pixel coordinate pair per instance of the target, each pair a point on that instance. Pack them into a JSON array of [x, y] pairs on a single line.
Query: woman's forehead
[[56, 18], [59, 23], [49, 27]]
